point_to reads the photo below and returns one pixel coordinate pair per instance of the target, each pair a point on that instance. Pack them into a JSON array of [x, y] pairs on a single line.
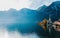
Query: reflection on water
[[4, 33]]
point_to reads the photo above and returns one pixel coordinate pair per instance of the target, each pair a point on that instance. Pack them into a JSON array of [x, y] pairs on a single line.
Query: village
[[52, 29]]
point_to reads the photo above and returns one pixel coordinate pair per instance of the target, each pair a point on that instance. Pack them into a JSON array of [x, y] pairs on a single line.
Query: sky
[[19, 4], [37, 3]]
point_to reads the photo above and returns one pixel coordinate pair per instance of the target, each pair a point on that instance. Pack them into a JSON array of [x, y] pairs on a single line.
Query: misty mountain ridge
[[29, 15]]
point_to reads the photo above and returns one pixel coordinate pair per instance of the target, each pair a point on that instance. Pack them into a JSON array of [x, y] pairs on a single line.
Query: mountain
[[52, 10], [22, 16], [42, 8], [24, 20], [26, 15], [42, 13]]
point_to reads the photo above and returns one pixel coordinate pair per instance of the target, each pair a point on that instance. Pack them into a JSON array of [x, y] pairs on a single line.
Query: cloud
[[16, 4], [19, 4]]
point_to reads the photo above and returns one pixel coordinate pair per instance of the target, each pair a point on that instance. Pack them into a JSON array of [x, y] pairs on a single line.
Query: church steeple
[[49, 24], [49, 21]]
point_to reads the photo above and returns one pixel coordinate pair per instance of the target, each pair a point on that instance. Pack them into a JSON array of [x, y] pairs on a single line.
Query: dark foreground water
[[21, 31], [26, 31]]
